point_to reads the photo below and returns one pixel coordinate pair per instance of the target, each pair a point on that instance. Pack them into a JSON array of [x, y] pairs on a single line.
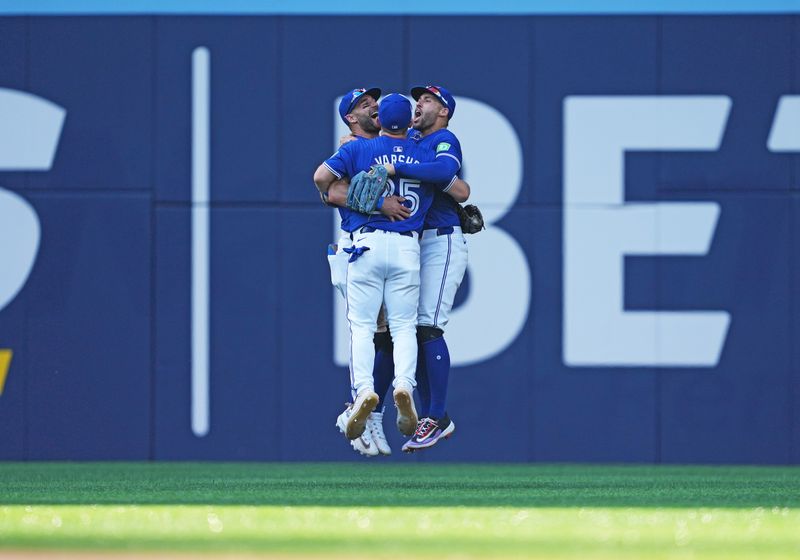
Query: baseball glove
[[366, 188], [471, 218]]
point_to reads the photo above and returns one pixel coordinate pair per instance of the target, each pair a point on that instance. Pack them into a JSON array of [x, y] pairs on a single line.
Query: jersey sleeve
[[439, 171], [340, 162], [446, 163], [448, 148], [449, 185]]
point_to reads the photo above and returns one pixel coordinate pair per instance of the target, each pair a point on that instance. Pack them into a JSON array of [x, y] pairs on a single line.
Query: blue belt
[[370, 229], [446, 230]]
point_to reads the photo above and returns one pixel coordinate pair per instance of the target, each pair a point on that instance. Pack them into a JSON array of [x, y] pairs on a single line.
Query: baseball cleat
[[365, 402], [406, 413], [429, 431], [362, 444], [375, 430]]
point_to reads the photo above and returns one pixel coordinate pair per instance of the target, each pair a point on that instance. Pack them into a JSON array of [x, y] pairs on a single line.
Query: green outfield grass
[[419, 511]]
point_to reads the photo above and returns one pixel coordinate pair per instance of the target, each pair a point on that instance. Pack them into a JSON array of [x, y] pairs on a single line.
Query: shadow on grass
[[338, 484]]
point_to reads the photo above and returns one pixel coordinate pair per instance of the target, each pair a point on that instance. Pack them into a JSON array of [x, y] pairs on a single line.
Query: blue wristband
[[380, 203]]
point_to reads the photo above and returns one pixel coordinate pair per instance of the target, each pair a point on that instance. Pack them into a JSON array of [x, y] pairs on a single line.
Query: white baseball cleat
[[362, 444], [365, 402], [375, 430], [406, 413]]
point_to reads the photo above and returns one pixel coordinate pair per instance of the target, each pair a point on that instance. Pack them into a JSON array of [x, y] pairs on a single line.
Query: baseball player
[[373, 440], [443, 259], [359, 111], [383, 265]]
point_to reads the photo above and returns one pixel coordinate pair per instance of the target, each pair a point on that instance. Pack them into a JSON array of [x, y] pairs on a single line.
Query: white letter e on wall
[[600, 229]]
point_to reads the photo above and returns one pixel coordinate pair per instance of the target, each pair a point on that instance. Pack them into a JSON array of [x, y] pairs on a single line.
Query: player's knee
[[426, 334], [383, 342]]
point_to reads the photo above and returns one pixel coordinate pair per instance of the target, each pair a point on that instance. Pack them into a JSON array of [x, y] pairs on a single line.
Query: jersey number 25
[[407, 188]]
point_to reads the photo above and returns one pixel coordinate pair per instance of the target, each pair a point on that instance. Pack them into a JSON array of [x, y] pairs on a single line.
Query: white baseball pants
[[443, 260], [388, 272]]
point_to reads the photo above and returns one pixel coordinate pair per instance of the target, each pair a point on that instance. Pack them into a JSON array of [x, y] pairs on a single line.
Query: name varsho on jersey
[[394, 159], [354, 157]]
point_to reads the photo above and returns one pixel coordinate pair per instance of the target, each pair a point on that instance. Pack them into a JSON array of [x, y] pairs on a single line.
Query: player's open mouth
[[374, 115], [417, 113]]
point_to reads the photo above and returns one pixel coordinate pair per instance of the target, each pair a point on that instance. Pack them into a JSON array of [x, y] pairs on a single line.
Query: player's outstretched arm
[[438, 171]]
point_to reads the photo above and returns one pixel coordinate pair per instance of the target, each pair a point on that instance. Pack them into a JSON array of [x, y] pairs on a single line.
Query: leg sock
[[423, 386], [383, 370], [437, 364]]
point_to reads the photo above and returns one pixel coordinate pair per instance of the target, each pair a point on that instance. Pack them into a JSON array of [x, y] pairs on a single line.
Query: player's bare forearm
[[323, 178], [459, 190], [337, 192]]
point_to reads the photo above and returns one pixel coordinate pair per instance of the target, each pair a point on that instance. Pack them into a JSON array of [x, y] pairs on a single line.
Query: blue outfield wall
[[635, 297]]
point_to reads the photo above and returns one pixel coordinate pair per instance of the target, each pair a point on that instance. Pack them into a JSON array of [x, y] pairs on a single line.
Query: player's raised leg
[[401, 295], [364, 296], [435, 424], [373, 441], [443, 259]]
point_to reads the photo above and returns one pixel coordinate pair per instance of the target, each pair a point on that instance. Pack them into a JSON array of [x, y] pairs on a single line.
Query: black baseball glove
[[471, 218]]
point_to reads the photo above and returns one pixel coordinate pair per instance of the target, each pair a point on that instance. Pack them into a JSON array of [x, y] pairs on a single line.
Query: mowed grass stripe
[[420, 531], [376, 484], [428, 511]]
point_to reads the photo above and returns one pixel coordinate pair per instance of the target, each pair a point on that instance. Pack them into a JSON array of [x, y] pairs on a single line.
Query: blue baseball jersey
[[440, 144], [344, 212], [360, 156]]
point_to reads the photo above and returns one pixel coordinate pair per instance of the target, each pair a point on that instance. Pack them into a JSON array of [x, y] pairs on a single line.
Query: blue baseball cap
[[394, 112], [350, 98], [440, 94]]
